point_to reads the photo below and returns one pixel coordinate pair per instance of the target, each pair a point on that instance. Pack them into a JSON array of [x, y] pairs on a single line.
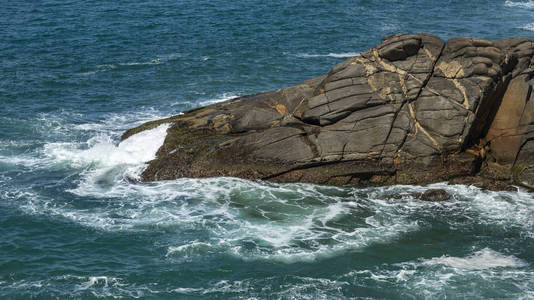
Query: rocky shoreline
[[413, 110]]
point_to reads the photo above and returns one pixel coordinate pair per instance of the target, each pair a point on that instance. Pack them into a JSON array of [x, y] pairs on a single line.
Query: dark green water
[[74, 75]]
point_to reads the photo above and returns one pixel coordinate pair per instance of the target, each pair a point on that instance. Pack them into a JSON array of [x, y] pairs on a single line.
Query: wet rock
[[435, 195], [413, 110]]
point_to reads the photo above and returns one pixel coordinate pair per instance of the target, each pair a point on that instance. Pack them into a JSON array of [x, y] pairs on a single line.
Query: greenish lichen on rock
[[413, 110]]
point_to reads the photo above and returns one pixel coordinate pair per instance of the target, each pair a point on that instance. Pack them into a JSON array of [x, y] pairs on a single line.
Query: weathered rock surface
[[415, 109]]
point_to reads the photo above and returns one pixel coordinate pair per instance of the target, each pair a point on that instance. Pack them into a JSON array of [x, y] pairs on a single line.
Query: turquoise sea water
[[75, 74]]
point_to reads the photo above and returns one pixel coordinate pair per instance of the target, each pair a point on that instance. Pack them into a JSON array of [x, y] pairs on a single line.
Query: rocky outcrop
[[415, 109]]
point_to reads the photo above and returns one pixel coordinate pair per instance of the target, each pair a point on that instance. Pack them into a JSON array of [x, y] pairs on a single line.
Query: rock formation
[[415, 109]]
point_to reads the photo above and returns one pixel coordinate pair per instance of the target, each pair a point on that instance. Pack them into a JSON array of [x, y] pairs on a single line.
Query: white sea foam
[[138, 148], [21, 160], [449, 276], [71, 150], [208, 101], [67, 286], [96, 281], [299, 288], [52, 125], [189, 249], [14, 144], [160, 59], [155, 61], [272, 220], [480, 260], [391, 27], [223, 97], [520, 4], [115, 124], [336, 55], [4, 178], [529, 27], [282, 222], [302, 222]]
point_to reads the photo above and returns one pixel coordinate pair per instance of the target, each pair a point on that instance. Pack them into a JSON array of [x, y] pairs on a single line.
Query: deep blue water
[[75, 74]]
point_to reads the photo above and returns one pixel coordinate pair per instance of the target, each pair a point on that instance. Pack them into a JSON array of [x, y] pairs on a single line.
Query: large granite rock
[[412, 110]]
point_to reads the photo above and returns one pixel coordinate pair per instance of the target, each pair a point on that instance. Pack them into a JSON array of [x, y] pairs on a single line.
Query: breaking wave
[[520, 4], [223, 97], [528, 27], [282, 222], [336, 55], [480, 260]]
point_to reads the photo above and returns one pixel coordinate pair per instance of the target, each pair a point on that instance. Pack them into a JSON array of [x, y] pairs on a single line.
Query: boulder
[[434, 195], [413, 110]]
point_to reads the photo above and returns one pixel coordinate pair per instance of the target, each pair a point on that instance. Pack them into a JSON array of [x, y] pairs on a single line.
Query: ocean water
[[75, 223]]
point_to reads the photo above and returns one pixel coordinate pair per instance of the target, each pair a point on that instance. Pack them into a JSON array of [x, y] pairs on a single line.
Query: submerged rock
[[434, 195], [413, 110]]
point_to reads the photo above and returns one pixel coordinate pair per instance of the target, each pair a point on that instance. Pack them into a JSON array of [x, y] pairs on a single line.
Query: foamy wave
[[4, 178], [21, 160], [446, 276], [67, 286], [255, 220], [69, 147], [188, 249], [336, 55], [137, 149], [302, 222], [299, 288], [99, 286], [223, 97], [390, 27], [116, 124], [204, 102], [282, 222], [14, 144], [522, 4], [529, 27], [160, 59], [250, 220], [480, 260]]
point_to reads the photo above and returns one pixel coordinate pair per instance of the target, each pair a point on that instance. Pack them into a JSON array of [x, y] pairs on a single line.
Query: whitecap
[[116, 124], [390, 27], [299, 288], [20, 160], [14, 144], [138, 148], [480, 260], [528, 27], [218, 99], [105, 67], [155, 61], [446, 276], [160, 59], [188, 249], [521, 4], [336, 55], [96, 281], [68, 150], [68, 286], [207, 101]]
